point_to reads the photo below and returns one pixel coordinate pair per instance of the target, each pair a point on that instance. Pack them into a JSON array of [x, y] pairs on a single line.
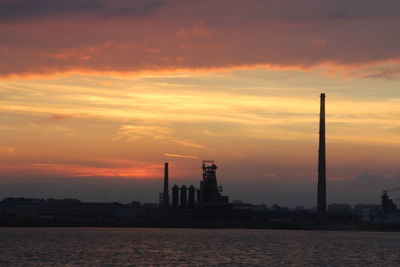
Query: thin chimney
[[165, 193], [322, 164]]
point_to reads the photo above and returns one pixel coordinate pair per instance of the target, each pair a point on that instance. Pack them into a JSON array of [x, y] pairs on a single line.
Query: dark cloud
[[393, 189], [365, 188], [285, 10], [363, 9], [84, 188], [385, 74], [14, 10], [169, 35]]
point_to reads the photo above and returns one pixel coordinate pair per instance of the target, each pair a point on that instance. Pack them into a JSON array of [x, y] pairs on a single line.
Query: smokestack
[[322, 163], [165, 194]]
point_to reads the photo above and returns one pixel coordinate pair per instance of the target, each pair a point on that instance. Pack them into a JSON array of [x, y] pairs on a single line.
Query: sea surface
[[195, 247]]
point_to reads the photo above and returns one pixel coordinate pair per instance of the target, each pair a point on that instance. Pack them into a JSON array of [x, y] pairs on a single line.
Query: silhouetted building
[[340, 209], [183, 196], [371, 208], [191, 198], [385, 202], [198, 195], [166, 189], [388, 206], [175, 196], [210, 193], [321, 205], [28, 211]]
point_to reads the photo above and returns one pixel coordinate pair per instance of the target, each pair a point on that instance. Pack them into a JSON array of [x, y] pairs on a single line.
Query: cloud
[[364, 188], [393, 189], [8, 150], [134, 132], [137, 131], [387, 74], [150, 36], [155, 132], [370, 185], [83, 169], [363, 10], [17, 10], [59, 117], [180, 156], [101, 188], [187, 143]]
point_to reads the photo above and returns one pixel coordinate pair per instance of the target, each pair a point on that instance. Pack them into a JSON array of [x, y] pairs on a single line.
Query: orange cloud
[[180, 156], [7, 151], [78, 170], [59, 117]]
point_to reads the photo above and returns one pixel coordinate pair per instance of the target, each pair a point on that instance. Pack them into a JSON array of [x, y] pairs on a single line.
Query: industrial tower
[[210, 193], [321, 207], [165, 197]]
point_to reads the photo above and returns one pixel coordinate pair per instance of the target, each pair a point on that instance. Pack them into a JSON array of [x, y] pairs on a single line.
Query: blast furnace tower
[[210, 193]]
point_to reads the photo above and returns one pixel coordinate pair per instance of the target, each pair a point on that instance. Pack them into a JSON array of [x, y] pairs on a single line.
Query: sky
[[96, 95]]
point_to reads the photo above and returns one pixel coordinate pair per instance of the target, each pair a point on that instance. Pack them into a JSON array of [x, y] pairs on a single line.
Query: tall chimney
[[322, 164], [165, 194]]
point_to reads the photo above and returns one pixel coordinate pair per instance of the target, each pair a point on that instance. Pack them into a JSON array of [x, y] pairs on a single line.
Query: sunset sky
[[95, 95]]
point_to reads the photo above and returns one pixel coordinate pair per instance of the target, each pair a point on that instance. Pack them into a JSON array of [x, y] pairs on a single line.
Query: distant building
[[388, 206], [371, 208], [276, 207], [340, 209], [161, 199], [247, 206]]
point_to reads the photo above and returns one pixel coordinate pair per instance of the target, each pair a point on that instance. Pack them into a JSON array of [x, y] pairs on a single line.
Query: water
[[195, 247]]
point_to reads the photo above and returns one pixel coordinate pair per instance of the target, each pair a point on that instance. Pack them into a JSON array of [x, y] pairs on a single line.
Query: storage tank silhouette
[[175, 196], [192, 193], [183, 196]]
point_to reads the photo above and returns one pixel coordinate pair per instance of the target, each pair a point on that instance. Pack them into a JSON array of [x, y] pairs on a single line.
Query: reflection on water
[[194, 247]]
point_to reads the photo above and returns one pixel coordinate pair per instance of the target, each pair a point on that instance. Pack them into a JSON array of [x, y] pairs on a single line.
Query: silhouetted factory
[[205, 206], [209, 193]]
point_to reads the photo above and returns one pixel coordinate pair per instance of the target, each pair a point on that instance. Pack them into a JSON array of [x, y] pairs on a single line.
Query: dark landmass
[[27, 212], [204, 207]]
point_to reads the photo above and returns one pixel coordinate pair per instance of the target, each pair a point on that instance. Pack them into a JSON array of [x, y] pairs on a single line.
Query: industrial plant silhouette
[[205, 207], [208, 195]]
